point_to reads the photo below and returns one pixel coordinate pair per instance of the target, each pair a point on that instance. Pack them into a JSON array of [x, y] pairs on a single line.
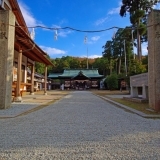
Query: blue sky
[[78, 14]]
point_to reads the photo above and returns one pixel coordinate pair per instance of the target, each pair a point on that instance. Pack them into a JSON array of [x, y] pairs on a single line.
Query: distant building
[[77, 78]]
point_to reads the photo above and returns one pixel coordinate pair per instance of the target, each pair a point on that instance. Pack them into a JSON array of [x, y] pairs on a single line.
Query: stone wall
[[139, 80]]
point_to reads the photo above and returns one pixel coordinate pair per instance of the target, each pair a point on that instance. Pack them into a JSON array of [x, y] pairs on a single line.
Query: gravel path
[[17, 108], [80, 126]]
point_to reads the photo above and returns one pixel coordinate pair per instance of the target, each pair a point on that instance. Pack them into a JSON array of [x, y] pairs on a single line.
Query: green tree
[[83, 63], [40, 68], [122, 47], [119, 51], [112, 81], [74, 63], [107, 50], [50, 68], [138, 10], [137, 67], [145, 62], [102, 64]]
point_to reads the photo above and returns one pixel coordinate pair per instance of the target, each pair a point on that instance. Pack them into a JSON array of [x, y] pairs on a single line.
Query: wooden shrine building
[[78, 78]]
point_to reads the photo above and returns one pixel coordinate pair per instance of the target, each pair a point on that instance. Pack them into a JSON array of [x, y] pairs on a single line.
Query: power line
[[79, 30], [89, 31]]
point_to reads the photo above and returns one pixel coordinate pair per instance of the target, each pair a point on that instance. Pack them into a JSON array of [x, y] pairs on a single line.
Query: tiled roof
[[54, 75], [71, 73]]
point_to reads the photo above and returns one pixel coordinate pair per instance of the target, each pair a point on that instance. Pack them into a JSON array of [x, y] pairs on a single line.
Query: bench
[[14, 89]]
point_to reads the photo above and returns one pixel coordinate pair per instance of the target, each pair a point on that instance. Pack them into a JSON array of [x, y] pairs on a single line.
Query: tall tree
[[102, 64], [137, 10], [40, 68], [74, 63], [107, 50]]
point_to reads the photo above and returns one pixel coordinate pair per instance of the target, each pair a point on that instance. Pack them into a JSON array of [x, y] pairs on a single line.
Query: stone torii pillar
[[154, 59], [7, 35]]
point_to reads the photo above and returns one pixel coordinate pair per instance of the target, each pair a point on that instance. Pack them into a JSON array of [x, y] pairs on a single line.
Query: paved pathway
[[80, 126]]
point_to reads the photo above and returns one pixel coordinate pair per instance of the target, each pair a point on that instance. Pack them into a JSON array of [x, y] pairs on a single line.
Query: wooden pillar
[[18, 97], [32, 79], [45, 82]]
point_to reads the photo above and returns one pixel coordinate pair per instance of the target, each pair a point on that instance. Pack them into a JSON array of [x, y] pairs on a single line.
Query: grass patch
[[142, 107], [135, 105], [108, 92]]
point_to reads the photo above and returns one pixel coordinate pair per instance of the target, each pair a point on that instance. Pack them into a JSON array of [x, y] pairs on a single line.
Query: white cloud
[[101, 21], [31, 21], [52, 51], [114, 11], [29, 18], [110, 12], [92, 56], [95, 38], [64, 33]]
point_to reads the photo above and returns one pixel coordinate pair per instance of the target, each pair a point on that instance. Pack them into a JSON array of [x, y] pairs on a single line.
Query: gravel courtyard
[[81, 126]]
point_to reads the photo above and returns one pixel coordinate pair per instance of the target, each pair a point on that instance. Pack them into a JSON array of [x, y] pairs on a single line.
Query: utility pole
[[85, 41], [139, 50], [125, 57], [133, 44]]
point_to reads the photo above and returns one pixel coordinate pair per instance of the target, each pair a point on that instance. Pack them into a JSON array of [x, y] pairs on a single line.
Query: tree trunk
[[139, 52], [119, 65], [110, 67], [103, 71]]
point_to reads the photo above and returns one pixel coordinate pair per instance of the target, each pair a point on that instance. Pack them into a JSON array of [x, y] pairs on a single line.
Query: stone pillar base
[[134, 91], [17, 99]]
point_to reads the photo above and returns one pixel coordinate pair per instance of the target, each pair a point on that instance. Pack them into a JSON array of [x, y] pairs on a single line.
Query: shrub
[[112, 82]]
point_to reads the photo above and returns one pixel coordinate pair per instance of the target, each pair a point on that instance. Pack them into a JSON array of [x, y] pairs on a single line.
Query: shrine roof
[[72, 73]]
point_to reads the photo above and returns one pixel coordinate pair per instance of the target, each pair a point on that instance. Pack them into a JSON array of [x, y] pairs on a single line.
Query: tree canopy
[[138, 10]]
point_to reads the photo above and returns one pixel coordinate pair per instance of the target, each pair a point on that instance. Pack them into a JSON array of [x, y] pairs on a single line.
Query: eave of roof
[[17, 12], [29, 48], [54, 75], [23, 40]]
